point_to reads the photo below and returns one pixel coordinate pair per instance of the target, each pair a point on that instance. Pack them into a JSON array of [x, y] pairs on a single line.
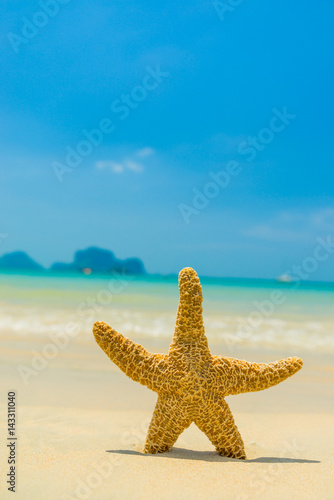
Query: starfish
[[190, 382]]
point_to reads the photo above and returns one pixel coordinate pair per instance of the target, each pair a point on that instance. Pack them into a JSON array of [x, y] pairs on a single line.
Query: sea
[[237, 312]]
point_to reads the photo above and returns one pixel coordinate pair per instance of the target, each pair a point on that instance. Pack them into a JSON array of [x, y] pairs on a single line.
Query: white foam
[[274, 332]]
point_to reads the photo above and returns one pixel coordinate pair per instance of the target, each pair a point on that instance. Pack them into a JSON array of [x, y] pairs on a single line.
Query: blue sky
[[224, 77]]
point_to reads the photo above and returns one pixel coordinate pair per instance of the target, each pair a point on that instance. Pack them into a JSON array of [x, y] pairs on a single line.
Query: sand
[[81, 425]]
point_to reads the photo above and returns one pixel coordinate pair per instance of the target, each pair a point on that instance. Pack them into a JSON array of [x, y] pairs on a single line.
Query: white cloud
[[133, 165], [294, 226], [272, 233], [144, 152], [324, 219], [117, 168], [127, 163]]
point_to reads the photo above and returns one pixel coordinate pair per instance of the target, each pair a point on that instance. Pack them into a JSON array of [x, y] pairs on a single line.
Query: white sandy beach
[[81, 425]]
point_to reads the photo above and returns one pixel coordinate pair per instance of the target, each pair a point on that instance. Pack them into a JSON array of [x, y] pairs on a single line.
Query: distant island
[[91, 260], [19, 261]]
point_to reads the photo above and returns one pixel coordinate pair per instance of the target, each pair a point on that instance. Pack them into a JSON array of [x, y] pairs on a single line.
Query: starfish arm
[[137, 363], [169, 420], [217, 423], [240, 376]]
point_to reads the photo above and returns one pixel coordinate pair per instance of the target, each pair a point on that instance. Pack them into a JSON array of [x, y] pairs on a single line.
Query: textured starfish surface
[[190, 382]]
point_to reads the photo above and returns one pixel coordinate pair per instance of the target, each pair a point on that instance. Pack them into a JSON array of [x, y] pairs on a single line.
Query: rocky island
[[91, 260]]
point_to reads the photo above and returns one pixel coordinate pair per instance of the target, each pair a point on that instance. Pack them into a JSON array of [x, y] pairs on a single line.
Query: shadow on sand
[[212, 456]]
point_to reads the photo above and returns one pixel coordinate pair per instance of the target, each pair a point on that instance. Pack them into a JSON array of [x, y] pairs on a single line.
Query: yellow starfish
[[190, 382]]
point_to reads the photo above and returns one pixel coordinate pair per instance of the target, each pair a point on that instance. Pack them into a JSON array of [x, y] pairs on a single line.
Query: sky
[[184, 133]]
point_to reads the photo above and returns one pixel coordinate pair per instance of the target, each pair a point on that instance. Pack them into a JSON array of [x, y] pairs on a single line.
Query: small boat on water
[[285, 278]]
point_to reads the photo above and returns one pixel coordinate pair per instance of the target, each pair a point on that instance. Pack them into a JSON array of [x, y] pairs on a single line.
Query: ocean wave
[[273, 333]]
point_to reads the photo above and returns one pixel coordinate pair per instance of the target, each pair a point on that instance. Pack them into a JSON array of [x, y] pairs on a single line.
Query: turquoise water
[[243, 312]]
